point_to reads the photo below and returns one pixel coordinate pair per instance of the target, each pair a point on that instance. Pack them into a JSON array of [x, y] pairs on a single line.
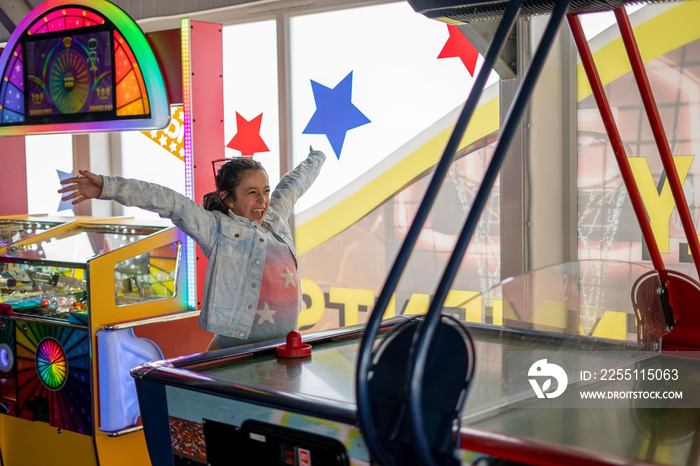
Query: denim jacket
[[235, 246]]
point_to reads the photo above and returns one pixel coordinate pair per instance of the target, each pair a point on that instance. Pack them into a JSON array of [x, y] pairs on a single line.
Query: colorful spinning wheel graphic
[[53, 367], [69, 81], [51, 364]]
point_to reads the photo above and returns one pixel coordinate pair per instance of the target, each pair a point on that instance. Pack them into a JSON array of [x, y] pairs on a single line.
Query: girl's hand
[[82, 188]]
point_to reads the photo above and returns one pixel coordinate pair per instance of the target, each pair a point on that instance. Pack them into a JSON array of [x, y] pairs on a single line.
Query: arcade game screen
[[69, 74]]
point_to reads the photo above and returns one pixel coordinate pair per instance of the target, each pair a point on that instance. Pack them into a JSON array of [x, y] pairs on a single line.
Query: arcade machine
[[82, 303], [84, 299], [433, 390]]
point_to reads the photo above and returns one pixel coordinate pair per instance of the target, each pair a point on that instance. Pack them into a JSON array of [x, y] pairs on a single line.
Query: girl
[[251, 285]]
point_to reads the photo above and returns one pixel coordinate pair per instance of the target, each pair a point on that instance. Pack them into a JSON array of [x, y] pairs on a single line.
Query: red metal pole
[[657, 128], [615, 139]]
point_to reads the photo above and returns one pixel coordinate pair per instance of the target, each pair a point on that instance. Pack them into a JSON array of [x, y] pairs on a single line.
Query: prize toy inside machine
[[83, 299]]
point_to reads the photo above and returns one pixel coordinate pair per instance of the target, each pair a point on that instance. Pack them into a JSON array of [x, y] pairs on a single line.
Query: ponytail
[[212, 201]]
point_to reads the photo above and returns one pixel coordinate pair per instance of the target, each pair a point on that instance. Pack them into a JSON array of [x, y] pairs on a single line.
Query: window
[[49, 160], [250, 94]]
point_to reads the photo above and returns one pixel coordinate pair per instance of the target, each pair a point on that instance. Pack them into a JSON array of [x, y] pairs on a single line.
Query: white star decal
[[163, 140], [173, 146], [265, 315], [288, 278]]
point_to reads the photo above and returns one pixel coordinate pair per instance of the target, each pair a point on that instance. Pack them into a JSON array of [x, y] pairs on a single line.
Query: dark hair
[[227, 180]]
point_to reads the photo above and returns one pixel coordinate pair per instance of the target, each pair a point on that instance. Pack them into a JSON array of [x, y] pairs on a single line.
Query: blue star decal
[[64, 205], [335, 114]]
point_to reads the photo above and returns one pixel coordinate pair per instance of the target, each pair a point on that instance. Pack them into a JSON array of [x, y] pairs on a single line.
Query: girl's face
[[252, 196]]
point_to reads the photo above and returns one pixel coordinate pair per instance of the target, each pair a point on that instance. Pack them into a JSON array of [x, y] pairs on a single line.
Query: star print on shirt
[[458, 46], [288, 278], [278, 306], [335, 113], [265, 315]]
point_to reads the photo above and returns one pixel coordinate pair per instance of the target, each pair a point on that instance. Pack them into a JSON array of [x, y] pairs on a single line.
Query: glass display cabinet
[[47, 276]]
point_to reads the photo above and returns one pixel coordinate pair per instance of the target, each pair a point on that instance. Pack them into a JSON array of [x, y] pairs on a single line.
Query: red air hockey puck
[[294, 348]]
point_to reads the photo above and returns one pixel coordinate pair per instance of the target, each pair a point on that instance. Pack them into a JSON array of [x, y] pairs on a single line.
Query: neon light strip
[[189, 185]]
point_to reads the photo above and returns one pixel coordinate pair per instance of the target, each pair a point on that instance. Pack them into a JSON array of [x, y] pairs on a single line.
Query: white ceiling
[[154, 15]]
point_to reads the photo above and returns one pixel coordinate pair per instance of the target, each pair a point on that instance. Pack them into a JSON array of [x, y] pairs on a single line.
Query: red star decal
[[247, 140], [459, 46]]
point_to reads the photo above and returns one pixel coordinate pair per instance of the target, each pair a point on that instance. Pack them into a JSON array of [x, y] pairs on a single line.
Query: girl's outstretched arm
[[82, 188], [295, 183], [186, 214]]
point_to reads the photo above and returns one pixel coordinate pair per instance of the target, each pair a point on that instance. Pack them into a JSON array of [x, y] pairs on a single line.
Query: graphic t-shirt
[[278, 306]]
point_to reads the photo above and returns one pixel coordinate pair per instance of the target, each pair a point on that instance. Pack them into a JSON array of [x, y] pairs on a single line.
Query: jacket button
[[236, 235], [253, 285], [250, 306], [262, 240], [257, 261]]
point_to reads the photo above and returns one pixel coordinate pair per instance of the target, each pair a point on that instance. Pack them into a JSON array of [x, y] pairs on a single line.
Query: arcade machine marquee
[[79, 66]]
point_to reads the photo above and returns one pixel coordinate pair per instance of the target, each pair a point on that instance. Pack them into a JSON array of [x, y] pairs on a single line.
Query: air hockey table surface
[[577, 319]]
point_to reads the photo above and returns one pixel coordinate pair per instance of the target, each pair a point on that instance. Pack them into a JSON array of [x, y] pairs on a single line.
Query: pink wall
[[13, 176]]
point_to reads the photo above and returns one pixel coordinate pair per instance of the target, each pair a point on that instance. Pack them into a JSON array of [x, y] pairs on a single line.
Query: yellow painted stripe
[[656, 37], [345, 213]]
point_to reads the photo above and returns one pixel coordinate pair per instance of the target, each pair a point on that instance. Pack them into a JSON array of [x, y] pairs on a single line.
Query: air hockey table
[[598, 323]]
